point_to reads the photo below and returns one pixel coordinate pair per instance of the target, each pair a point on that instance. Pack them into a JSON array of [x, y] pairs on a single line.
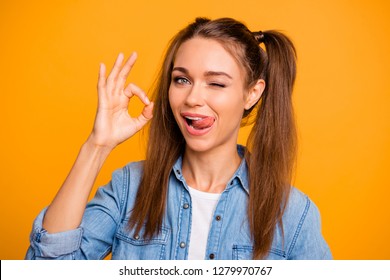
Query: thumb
[[145, 116]]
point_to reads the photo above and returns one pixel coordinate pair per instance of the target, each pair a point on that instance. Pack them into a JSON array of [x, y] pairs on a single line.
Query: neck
[[210, 171]]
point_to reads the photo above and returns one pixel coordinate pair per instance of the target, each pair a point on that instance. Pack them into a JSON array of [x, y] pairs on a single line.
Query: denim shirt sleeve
[[308, 242], [94, 237]]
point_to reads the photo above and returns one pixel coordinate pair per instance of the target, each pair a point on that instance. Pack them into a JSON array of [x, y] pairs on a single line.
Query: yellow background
[[49, 57]]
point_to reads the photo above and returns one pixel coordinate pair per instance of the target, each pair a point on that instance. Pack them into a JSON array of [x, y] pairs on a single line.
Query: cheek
[[172, 100], [230, 105], [175, 102]]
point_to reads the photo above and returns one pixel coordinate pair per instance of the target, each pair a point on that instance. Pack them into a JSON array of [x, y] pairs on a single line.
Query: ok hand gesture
[[113, 124]]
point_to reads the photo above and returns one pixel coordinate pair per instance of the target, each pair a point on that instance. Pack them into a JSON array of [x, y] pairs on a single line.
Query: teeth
[[193, 118]]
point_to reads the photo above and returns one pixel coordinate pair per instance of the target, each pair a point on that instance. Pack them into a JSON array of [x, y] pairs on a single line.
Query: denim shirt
[[104, 227]]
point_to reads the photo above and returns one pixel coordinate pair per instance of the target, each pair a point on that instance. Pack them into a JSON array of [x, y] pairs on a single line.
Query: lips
[[197, 124]]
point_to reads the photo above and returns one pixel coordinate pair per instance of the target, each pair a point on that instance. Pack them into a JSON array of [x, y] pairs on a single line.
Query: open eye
[[181, 80]]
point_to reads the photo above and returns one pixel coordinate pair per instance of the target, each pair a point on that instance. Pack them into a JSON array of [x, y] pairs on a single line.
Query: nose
[[194, 96]]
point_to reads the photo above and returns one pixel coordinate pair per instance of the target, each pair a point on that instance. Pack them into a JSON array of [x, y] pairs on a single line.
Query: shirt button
[[231, 183], [136, 237], [178, 172], [182, 244], [38, 238], [186, 205], [211, 256], [218, 218]]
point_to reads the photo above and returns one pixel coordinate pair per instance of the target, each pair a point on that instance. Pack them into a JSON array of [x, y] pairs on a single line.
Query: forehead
[[200, 54]]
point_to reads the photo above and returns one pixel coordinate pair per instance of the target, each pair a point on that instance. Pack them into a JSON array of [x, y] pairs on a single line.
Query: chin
[[199, 145]]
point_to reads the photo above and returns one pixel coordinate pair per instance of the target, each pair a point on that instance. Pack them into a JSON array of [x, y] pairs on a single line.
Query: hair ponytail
[[272, 143]]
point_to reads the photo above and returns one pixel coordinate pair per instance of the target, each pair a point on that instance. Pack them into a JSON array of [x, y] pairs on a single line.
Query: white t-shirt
[[203, 207]]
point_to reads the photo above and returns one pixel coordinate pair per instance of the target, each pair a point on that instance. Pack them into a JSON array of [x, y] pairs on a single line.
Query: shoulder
[[130, 172], [124, 184], [132, 168], [299, 207], [128, 178], [303, 221], [301, 216], [301, 235], [300, 210]]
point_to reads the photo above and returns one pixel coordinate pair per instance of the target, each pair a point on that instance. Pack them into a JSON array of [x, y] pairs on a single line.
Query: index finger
[[132, 89]]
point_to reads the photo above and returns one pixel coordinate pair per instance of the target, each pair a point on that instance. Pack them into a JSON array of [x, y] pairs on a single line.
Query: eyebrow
[[206, 74]]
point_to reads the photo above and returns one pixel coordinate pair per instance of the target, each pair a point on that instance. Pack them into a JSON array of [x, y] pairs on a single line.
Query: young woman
[[198, 195]]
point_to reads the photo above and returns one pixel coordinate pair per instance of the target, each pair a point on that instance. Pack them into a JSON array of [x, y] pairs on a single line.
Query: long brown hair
[[271, 145]]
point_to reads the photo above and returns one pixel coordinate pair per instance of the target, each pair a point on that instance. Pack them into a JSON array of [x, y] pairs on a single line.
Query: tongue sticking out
[[202, 123]]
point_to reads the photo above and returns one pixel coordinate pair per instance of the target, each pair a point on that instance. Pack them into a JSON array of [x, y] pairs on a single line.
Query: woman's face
[[207, 95]]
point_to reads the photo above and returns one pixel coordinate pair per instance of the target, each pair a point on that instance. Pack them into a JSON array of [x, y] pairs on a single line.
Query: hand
[[113, 124]]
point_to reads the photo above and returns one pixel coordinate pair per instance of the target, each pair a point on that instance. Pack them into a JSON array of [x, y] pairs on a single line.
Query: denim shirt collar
[[240, 177]]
